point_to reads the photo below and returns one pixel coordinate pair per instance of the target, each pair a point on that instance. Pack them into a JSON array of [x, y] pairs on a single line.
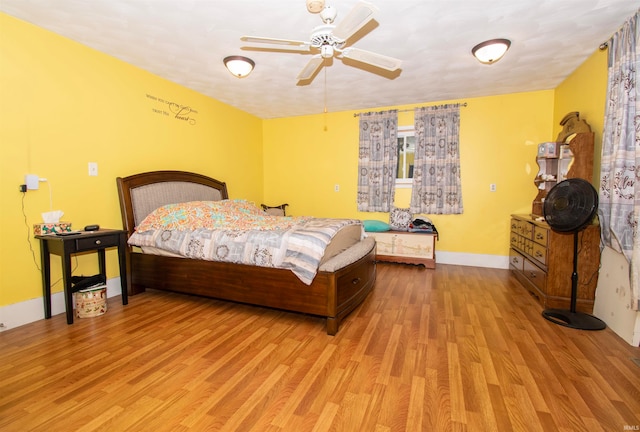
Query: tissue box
[[51, 228]]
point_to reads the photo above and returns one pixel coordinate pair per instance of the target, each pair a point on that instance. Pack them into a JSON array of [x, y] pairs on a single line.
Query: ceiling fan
[[328, 40]]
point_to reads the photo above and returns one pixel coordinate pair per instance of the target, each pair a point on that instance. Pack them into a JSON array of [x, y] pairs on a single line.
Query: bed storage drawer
[[354, 281]]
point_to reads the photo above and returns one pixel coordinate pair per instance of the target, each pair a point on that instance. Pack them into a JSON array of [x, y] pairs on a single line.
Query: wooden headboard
[[140, 194]]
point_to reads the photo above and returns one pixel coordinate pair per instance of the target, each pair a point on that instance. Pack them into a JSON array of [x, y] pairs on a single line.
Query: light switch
[[93, 168]]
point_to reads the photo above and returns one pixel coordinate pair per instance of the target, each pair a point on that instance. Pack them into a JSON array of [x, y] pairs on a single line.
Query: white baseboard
[[473, 260], [17, 314]]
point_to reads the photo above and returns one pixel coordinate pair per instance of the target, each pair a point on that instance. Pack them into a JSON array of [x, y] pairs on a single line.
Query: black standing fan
[[569, 208]]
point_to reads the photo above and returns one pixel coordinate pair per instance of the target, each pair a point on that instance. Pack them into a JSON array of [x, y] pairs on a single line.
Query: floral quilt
[[239, 232]]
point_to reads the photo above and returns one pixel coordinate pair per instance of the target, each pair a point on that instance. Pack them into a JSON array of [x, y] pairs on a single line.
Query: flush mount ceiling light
[[489, 52], [315, 6], [239, 66]]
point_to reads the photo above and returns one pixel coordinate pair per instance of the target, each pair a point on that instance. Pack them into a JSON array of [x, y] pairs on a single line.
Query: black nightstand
[[83, 241]]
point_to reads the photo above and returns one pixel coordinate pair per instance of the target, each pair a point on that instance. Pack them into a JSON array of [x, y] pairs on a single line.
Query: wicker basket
[[91, 302]]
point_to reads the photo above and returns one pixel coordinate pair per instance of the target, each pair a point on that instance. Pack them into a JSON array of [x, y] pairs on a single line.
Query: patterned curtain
[[619, 192], [436, 170], [378, 161]]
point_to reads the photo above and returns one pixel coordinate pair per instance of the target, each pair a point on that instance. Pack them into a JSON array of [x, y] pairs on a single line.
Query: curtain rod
[[463, 104]]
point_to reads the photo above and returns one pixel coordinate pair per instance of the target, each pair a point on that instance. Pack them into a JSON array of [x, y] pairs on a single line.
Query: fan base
[[576, 320]]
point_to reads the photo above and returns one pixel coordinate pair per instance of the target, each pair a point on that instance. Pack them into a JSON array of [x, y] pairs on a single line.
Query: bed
[[341, 283]]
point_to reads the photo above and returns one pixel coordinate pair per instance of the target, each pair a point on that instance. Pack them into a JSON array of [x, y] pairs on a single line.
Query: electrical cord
[[33, 252], [26, 224]]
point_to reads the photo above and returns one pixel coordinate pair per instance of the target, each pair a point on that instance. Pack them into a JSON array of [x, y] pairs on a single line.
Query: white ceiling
[[185, 41]]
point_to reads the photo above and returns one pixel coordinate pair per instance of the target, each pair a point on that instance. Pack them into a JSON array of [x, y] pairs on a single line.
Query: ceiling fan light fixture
[[239, 66], [326, 51], [490, 51]]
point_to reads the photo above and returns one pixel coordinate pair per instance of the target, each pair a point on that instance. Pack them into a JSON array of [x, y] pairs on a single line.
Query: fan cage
[[571, 205]]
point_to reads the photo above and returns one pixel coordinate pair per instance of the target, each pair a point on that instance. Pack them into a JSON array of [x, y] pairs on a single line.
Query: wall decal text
[[173, 110]]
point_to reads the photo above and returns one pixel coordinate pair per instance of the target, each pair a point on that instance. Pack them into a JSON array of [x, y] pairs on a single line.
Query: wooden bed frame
[[341, 284]]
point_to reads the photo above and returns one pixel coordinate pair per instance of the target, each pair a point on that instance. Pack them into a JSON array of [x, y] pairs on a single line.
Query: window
[[406, 152]]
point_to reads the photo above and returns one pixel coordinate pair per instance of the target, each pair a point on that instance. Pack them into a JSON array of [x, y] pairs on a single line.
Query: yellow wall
[[498, 143], [63, 105], [585, 91]]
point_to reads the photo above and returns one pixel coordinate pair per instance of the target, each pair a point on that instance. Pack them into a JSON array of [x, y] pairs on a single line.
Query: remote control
[[92, 228]]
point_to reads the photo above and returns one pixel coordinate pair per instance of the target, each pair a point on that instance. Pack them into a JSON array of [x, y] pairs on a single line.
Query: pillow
[[375, 226], [399, 219]]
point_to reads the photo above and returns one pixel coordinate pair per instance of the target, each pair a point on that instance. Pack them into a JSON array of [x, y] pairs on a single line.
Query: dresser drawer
[[540, 235], [539, 252], [527, 229], [535, 275], [91, 243], [515, 240], [516, 260], [514, 225], [527, 246]]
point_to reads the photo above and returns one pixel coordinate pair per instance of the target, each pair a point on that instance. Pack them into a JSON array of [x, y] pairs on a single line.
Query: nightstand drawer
[[91, 243]]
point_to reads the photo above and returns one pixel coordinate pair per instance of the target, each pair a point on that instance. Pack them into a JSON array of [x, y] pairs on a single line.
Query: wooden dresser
[[405, 247], [542, 260]]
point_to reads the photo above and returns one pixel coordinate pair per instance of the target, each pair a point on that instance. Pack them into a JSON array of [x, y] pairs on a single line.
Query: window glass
[[406, 152]]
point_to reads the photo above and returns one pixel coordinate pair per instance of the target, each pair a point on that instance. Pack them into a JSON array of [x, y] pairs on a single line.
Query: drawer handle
[[356, 281], [98, 242], [532, 275], [538, 254], [539, 236]]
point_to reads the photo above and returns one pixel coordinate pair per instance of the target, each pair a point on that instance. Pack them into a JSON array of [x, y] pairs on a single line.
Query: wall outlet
[[336, 188], [93, 168], [32, 181], [492, 187]]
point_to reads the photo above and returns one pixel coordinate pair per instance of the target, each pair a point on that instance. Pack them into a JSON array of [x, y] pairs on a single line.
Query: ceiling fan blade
[[374, 59], [274, 41], [314, 64], [357, 18]]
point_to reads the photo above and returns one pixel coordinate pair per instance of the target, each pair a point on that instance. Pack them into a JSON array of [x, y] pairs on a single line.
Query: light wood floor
[[458, 348]]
